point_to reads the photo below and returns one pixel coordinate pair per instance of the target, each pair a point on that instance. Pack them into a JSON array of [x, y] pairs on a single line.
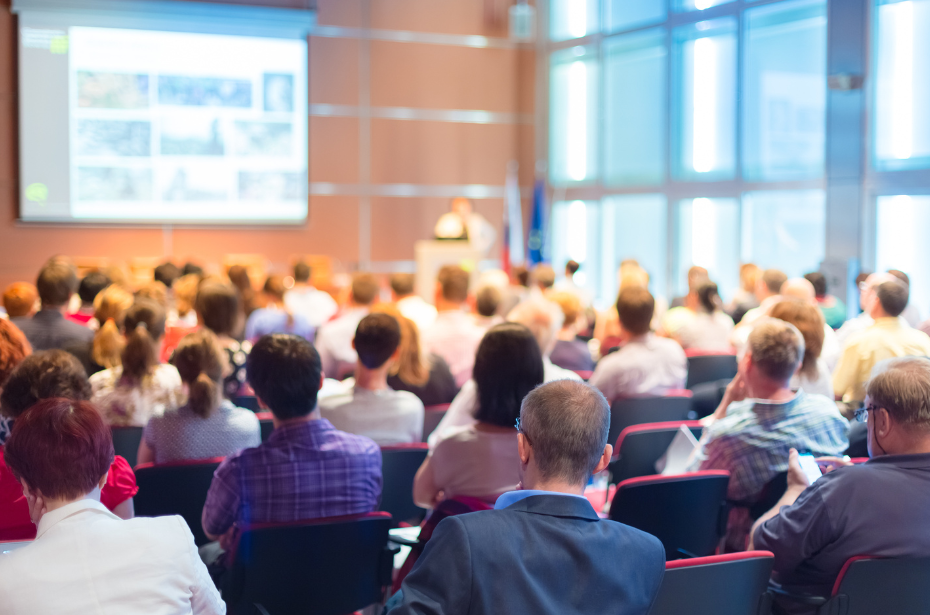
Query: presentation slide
[[142, 126]]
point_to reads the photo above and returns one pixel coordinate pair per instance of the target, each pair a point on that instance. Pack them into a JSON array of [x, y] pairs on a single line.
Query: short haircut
[[56, 283], [43, 375], [777, 349], [14, 347], [900, 275], [544, 275], [773, 280], [453, 283], [809, 321], [819, 281], [572, 267], [902, 387], [19, 298], [543, 318], [376, 339], [365, 288], [91, 285], [521, 274], [302, 272], [570, 305], [60, 448], [167, 273], [893, 296], [402, 283], [274, 286], [218, 306], [284, 371], [508, 365], [190, 268], [487, 300], [566, 422], [635, 307]]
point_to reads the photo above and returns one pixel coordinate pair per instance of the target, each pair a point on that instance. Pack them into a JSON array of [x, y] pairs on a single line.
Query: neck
[[371, 379], [55, 308], [444, 305], [313, 416], [567, 335], [772, 391], [628, 337], [533, 481], [879, 313]]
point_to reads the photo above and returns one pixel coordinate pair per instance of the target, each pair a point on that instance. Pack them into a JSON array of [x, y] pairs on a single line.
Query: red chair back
[[431, 418], [399, 465], [710, 367], [640, 446], [867, 585], [639, 410]]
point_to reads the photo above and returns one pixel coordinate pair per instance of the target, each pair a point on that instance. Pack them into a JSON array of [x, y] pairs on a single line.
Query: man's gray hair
[[777, 348], [902, 387], [543, 318], [566, 422]]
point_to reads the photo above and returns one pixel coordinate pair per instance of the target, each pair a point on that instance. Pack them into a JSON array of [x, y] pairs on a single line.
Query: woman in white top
[[813, 376], [710, 327], [139, 388], [481, 460]]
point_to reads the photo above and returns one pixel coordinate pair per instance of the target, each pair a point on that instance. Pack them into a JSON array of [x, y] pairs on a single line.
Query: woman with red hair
[[60, 451], [14, 347]]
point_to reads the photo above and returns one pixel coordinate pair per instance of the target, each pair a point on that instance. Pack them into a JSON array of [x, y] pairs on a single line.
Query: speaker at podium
[[431, 256]]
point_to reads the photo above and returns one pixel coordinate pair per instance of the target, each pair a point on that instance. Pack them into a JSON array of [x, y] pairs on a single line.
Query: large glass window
[[697, 5], [577, 238], [573, 125], [634, 227], [634, 108], [707, 235], [784, 229], [785, 91], [572, 19], [705, 55], [901, 242], [902, 87], [624, 14]]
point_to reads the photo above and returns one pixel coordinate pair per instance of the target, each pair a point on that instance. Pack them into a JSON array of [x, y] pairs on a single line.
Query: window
[[784, 229], [625, 14], [785, 94], [578, 240], [572, 19], [573, 122], [707, 235], [634, 227], [697, 5], [901, 242], [706, 115], [634, 109]]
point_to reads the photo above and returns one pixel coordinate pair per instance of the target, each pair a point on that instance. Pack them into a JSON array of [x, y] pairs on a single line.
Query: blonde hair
[[749, 275], [154, 291], [185, 292], [110, 308], [570, 304], [412, 365]]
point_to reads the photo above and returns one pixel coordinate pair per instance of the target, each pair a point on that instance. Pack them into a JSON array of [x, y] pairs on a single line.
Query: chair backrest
[[126, 442], [868, 585], [640, 446], [584, 374], [431, 418], [732, 584], [687, 512], [325, 566], [639, 410], [266, 423], [249, 402], [710, 367], [176, 489], [399, 465]]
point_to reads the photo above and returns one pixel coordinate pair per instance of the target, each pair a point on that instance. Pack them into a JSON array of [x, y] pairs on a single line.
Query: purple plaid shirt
[[303, 471]]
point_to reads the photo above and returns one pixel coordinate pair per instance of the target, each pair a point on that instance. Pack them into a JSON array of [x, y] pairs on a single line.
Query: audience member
[[832, 308], [166, 273], [14, 347], [316, 306], [544, 319], [487, 303], [607, 327], [480, 459], [334, 339], [543, 279], [20, 300], [88, 560], [157, 293], [570, 283], [911, 314], [696, 277], [305, 469], [768, 293], [105, 350], [645, 364], [453, 336], [91, 285], [140, 387], [528, 550], [760, 418], [866, 296], [709, 327], [248, 301], [877, 508], [744, 299], [183, 315], [49, 328], [275, 317], [208, 425], [44, 375], [813, 376], [372, 408], [885, 339], [570, 352], [410, 304], [218, 309], [191, 268]]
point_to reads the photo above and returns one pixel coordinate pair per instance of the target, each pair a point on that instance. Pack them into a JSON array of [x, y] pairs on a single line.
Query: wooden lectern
[[432, 255]]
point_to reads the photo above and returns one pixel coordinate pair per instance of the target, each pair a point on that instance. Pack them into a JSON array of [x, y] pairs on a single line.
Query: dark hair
[[274, 287], [302, 272], [201, 363], [43, 375], [773, 280], [453, 283], [91, 285], [14, 347], [572, 267], [60, 448], [819, 281], [167, 273], [543, 275], [284, 370], [376, 339], [190, 268], [56, 283], [521, 274], [218, 306], [709, 297], [144, 324], [402, 283], [635, 307], [893, 296], [900, 275], [566, 422], [365, 288], [508, 365], [488, 300]]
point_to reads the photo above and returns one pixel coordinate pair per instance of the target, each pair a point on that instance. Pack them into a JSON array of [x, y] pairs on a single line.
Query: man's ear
[[524, 449], [883, 422], [605, 459], [353, 343]]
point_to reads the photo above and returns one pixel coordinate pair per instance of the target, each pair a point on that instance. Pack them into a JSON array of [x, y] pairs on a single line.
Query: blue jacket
[[544, 555]]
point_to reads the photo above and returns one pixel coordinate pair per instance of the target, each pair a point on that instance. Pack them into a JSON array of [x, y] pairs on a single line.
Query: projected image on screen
[[149, 126]]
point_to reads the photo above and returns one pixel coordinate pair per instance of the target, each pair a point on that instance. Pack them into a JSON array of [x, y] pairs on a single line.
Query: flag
[[512, 252], [536, 242]]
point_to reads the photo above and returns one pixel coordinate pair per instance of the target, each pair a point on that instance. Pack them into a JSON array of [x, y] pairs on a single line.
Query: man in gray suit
[[49, 328]]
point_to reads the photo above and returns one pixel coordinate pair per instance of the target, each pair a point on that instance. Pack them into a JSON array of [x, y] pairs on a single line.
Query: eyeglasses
[[862, 414]]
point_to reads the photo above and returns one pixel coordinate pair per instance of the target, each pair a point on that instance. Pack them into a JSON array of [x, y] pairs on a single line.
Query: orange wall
[[424, 152]]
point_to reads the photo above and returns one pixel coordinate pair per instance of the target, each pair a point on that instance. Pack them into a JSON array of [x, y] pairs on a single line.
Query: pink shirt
[[454, 336]]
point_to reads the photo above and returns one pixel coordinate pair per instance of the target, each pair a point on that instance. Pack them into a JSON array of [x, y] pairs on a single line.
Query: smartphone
[[810, 467]]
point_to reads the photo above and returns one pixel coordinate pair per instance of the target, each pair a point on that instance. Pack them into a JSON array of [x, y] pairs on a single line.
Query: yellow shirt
[[885, 339]]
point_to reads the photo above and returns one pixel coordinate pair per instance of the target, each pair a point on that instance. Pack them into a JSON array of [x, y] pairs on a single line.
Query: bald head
[[799, 288], [566, 423]]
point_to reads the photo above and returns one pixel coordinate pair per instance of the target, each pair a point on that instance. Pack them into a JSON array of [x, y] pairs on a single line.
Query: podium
[[432, 255]]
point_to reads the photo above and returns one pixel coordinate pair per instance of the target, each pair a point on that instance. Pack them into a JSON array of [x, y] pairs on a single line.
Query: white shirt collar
[[50, 519]]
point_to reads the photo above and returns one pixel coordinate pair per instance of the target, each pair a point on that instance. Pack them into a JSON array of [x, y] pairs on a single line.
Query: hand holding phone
[[809, 467]]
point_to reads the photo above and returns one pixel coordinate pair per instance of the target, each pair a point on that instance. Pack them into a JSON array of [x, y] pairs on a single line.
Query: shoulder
[[406, 399], [668, 346], [167, 374], [105, 379], [355, 444]]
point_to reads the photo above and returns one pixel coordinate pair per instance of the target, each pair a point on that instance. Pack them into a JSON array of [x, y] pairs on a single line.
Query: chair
[[249, 402], [710, 367], [126, 442], [707, 396], [687, 512], [431, 418], [584, 374], [265, 421], [178, 488], [399, 464], [328, 566], [732, 584], [639, 410], [640, 446]]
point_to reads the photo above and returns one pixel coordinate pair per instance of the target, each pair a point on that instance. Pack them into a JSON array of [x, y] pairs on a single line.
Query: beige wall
[[377, 183]]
